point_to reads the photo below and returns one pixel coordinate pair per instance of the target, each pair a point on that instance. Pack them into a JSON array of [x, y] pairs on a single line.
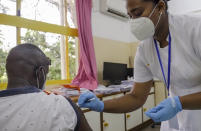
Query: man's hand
[[89, 100], [166, 110]]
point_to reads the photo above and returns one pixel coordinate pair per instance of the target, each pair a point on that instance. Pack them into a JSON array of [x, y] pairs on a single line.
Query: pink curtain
[[87, 74]]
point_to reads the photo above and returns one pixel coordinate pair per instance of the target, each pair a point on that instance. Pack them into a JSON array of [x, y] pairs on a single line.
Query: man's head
[[28, 64]]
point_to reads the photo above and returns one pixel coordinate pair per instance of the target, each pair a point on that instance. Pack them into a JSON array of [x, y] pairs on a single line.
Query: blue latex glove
[[89, 100], [166, 110]]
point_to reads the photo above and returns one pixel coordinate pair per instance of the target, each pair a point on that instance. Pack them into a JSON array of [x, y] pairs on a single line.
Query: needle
[[89, 100]]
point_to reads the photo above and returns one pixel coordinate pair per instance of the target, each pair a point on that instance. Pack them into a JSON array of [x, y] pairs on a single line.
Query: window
[[8, 7], [41, 10], [71, 15], [49, 24], [7, 41], [73, 56]]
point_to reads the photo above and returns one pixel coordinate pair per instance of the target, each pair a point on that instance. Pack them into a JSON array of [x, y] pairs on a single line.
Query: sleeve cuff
[[178, 102], [141, 80]]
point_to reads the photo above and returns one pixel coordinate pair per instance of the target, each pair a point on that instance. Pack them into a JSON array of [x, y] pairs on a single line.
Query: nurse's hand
[[89, 100], [166, 110]]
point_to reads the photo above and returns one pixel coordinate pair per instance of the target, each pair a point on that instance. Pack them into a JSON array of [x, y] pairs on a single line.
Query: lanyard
[[167, 81]]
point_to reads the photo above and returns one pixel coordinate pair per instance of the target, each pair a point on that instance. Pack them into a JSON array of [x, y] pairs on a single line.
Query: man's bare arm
[[130, 102], [82, 124]]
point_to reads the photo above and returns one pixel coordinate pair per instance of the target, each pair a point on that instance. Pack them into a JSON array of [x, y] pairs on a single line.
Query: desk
[[135, 120]]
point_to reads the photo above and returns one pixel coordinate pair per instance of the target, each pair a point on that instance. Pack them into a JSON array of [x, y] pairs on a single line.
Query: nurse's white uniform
[[185, 66]]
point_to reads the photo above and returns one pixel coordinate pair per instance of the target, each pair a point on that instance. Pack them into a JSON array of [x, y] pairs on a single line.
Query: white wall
[[114, 29], [184, 6], [110, 28], [105, 26]]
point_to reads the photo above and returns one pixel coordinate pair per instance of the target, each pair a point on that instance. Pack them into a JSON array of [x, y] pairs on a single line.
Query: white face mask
[[143, 28], [44, 76]]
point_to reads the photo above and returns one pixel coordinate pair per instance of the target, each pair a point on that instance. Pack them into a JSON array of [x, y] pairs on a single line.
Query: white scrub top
[[185, 66], [26, 109]]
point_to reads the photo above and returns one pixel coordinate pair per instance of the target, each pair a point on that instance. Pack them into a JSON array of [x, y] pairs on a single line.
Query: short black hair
[[156, 2], [25, 55]]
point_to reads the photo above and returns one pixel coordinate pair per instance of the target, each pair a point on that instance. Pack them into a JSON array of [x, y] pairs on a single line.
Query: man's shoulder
[[53, 99]]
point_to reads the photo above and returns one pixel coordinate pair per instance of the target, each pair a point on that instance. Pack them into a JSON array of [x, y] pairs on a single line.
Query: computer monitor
[[114, 72], [130, 72]]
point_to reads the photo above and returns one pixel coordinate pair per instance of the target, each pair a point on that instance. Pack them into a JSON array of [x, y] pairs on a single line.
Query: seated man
[[24, 106]]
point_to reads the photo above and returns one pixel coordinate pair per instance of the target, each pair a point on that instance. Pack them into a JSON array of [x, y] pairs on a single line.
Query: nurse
[[170, 50]]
